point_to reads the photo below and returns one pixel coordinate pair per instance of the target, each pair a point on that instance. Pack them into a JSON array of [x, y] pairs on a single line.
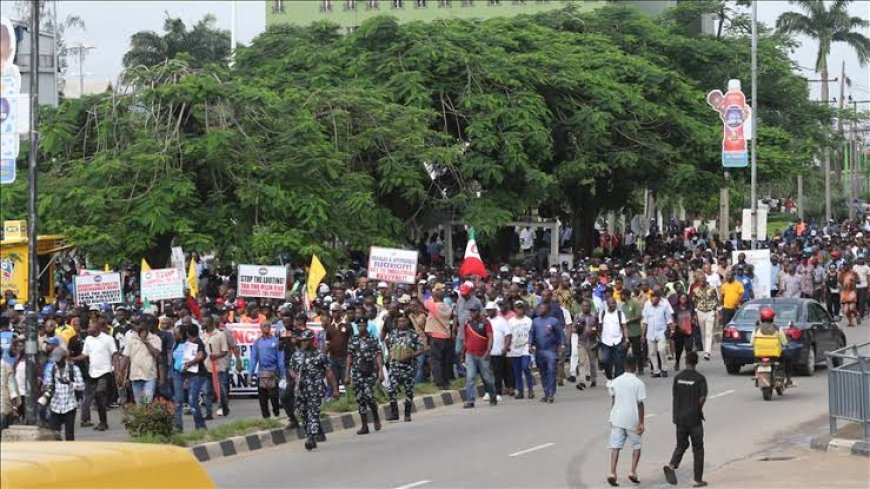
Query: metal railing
[[849, 386]]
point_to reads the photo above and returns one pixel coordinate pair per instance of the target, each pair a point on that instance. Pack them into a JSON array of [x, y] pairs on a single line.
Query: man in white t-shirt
[[100, 351], [501, 340], [862, 270], [713, 278], [626, 419], [518, 352], [613, 334]]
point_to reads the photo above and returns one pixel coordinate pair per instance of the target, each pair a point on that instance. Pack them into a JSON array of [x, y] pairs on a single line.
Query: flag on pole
[[192, 283], [472, 264], [106, 268], [145, 267], [316, 272]]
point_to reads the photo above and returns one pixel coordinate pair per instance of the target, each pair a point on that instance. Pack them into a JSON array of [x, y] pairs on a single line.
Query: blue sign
[[735, 159], [7, 171]]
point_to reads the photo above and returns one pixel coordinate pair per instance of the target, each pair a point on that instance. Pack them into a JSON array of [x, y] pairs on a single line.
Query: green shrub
[[156, 418]]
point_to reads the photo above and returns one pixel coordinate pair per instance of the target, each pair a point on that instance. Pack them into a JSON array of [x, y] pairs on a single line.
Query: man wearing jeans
[[142, 348], [613, 335], [478, 345], [657, 318], [217, 362], [547, 343]]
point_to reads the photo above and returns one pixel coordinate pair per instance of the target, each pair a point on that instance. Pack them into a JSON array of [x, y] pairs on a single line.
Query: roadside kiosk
[[14, 261]]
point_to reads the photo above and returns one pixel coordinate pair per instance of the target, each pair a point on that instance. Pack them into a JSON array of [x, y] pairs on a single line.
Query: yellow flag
[[192, 283], [316, 272], [145, 266], [106, 268]]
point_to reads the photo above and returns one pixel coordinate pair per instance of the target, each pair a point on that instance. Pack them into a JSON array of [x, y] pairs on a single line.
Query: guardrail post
[[865, 392]]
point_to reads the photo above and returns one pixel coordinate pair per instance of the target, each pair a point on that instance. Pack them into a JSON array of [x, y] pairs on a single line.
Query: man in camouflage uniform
[[365, 366], [307, 369], [403, 345]]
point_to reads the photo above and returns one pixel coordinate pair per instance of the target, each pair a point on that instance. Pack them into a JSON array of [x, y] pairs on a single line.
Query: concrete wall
[[48, 76]]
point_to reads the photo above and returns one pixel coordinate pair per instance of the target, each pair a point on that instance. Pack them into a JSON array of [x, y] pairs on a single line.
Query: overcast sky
[[111, 23]]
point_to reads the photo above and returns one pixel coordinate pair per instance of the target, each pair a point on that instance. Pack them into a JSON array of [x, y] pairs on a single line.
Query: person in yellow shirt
[[65, 331], [731, 291], [766, 328]]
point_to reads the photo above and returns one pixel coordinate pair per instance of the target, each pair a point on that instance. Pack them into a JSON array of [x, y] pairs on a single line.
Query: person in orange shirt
[[800, 228]]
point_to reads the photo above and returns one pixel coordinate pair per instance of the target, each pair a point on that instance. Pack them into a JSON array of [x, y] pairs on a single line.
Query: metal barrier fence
[[849, 386]]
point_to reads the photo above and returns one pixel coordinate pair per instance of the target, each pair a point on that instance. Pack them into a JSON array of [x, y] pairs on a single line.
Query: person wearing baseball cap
[[464, 303], [307, 370], [478, 345]]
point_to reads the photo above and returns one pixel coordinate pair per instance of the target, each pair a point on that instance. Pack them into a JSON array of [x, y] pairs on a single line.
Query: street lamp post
[[753, 178], [30, 343], [81, 50]]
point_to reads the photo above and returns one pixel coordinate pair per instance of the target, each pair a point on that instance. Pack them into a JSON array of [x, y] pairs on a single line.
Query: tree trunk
[[583, 225], [158, 256]]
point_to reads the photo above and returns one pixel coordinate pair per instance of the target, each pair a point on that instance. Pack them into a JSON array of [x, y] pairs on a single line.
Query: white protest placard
[[746, 225], [262, 281], [392, 265], [161, 284], [98, 288], [176, 259], [760, 261]]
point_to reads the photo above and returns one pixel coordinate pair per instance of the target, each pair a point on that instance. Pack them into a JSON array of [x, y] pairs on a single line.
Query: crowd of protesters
[[653, 300]]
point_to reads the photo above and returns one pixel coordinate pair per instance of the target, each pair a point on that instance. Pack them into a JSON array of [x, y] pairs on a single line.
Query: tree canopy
[[321, 142]]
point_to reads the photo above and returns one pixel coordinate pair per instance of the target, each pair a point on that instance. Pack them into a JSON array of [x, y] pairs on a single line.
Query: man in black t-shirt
[[690, 393]]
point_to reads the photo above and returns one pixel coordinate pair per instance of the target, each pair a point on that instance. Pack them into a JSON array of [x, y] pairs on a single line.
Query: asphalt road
[[524, 443]]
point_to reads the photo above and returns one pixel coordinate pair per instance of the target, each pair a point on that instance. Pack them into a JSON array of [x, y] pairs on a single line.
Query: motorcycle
[[770, 376]]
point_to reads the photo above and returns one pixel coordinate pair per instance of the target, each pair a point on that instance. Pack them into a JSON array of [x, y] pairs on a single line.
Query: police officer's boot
[[321, 436], [394, 411], [408, 410], [376, 417], [294, 423], [365, 425], [310, 443]]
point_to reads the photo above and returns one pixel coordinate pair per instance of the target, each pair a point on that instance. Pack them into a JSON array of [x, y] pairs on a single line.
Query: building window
[[468, 3], [444, 3], [397, 4], [421, 3], [350, 5], [278, 7], [325, 5], [372, 4], [46, 61]]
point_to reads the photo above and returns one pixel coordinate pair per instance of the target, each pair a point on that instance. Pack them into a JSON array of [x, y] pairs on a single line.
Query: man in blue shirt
[[740, 275], [547, 342], [267, 363]]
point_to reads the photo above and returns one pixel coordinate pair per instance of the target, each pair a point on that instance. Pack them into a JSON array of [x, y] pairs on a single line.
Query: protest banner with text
[[262, 281], [161, 284], [98, 288], [392, 265]]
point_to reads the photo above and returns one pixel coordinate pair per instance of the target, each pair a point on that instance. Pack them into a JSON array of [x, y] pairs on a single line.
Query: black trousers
[[503, 373], [727, 315], [441, 358], [265, 396], [696, 435], [288, 401], [862, 301], [832, 301], [682, 343], [102, 386], [67, 420], [637, 345]]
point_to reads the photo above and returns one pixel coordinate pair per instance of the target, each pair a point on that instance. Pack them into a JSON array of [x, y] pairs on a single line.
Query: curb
[[859, 448], [266, 439]]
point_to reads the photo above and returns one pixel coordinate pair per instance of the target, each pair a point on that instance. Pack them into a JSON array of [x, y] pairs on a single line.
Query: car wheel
[[809, 368], [733, 368]]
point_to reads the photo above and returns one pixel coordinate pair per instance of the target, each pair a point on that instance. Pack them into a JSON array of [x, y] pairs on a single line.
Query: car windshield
[[784, 313]]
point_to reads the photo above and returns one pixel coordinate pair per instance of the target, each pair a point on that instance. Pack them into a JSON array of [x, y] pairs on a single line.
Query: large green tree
[[203, 44]]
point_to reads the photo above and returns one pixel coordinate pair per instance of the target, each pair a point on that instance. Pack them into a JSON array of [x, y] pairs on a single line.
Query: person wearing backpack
[[614, 334]]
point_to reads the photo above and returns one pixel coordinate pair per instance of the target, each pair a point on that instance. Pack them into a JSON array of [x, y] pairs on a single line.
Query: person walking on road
[[307, 369], [478, 345], [520, 326], [690, 393], [626, 419], [365, 366], [404, 346], [658, 318], [267, 364], [547, 340]]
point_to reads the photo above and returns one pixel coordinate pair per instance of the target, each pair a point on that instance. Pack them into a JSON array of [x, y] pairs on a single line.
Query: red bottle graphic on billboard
[[735, 115]]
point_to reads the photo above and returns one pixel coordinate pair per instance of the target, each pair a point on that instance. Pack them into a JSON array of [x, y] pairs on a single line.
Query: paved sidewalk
[[240, 408]]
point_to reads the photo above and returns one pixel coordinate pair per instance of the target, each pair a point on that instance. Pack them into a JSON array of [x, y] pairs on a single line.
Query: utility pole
[[81, 50], [800, 193], [30, 342], [753, 162], [838, 163], [826, 152], [233, 5]]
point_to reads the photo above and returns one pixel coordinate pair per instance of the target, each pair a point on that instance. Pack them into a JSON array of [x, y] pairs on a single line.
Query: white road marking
[[529, 450], [714, 396], [413, 484]]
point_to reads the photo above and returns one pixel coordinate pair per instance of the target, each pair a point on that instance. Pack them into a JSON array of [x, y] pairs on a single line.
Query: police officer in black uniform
[[365, 367], [403, 345], [307, 369]]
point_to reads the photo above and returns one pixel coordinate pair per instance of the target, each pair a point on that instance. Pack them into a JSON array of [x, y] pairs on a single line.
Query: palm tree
[[203, 43], [827, 25]]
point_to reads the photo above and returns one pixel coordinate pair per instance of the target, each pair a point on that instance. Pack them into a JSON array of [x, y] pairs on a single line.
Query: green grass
[[238, 427], [347, 402]]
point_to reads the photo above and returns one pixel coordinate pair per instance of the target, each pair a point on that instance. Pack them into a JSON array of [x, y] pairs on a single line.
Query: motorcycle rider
[[765, 327]]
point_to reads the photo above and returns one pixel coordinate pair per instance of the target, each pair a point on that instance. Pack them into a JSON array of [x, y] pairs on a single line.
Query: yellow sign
[[14, 229], [13, 270]]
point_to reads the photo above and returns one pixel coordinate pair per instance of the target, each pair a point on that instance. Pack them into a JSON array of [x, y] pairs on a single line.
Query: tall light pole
[[233, 5], [30, 338], [81, 50], [753, 178]]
